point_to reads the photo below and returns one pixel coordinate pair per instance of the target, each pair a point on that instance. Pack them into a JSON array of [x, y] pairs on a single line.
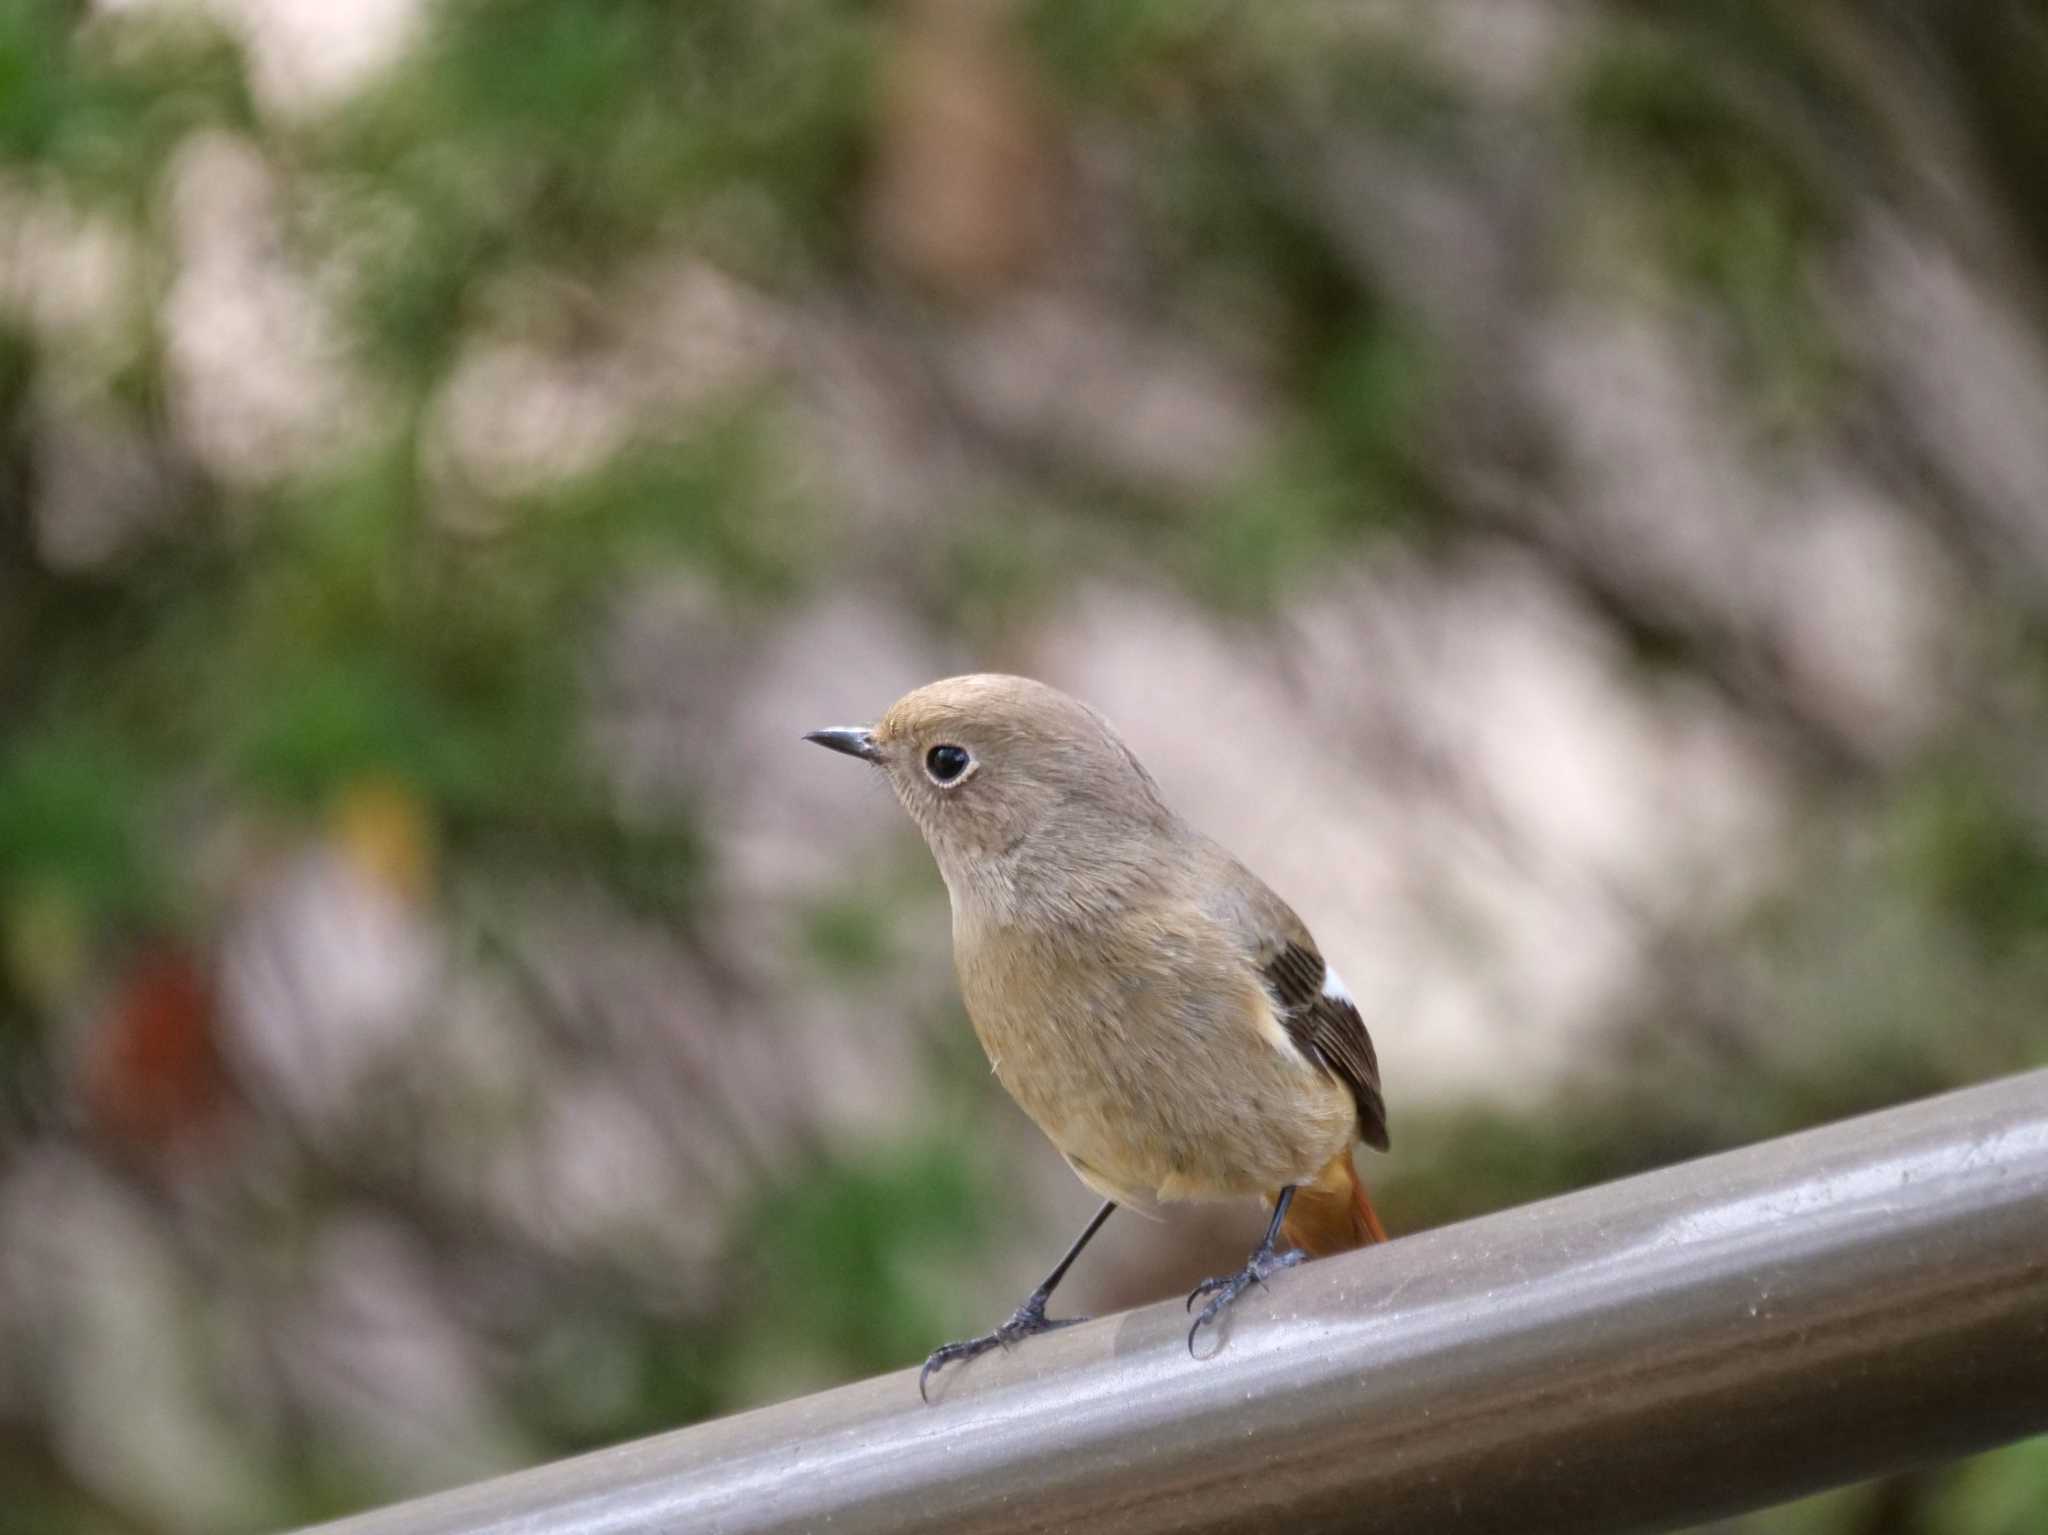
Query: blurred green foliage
[[885, 1232], [1967, 841], [530, 133], [1737, 196], [74, 824], [102, 106]]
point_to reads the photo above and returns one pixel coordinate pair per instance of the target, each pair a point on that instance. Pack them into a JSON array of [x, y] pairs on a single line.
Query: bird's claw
[[1228, 1287], [1026, 1321]]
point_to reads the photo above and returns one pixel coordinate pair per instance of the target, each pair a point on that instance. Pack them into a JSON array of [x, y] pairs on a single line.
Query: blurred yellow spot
[[386, 831], [46, 944]]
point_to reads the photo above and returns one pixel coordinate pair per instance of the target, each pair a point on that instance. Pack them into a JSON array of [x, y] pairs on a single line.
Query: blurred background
[[1561, 488]]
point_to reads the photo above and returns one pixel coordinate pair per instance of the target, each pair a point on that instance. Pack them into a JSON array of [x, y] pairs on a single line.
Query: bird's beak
[[854, 740]]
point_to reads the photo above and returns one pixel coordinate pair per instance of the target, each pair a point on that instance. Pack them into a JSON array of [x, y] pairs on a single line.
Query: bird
[[1158, 1012]]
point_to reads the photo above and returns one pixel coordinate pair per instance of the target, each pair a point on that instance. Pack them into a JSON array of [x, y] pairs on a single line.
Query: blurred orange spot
[[964, 188], [152, 1074]]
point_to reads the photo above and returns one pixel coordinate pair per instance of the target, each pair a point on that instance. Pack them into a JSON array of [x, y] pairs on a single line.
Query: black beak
[[854, 740]]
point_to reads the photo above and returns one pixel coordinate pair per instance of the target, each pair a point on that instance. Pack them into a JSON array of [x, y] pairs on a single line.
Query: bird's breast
[[1147, 1062]]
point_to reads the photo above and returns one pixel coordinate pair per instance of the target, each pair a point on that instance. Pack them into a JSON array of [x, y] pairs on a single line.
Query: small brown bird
[[1161, 1015]]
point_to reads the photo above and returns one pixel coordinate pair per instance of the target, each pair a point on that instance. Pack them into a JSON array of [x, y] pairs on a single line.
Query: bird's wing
[[1325, 1025], [1313, 1004]]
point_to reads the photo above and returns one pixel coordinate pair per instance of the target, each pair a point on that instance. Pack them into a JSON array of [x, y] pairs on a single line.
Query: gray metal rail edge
[[1638, 1356]]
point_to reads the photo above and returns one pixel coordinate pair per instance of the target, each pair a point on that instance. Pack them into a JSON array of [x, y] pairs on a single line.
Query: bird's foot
[[1026, 1321], [1225, 1288]]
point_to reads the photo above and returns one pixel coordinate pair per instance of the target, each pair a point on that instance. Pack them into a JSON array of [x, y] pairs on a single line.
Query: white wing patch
[[1333, 985]]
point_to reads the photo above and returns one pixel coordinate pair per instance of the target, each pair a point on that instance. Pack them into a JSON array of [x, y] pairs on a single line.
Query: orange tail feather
[[1333, 1214]]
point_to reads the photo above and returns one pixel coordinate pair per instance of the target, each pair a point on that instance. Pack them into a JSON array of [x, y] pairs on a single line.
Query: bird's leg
[[1027, 1320], [1265, 1262]]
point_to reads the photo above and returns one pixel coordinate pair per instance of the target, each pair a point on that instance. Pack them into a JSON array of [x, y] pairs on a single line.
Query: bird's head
[[998, 771]]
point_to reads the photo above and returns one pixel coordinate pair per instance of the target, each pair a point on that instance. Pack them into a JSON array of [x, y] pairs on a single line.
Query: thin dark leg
[[1027, 1320], [1265, 1262], [1059, 1270]]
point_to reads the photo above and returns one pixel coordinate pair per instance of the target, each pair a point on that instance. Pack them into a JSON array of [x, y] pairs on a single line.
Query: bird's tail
[[1333, 1214]]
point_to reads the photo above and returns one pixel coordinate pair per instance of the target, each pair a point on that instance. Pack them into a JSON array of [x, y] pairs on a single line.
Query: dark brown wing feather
[[1329, 1031]]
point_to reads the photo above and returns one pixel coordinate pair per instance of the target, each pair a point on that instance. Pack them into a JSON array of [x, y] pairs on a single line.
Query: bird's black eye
[[946, 763]]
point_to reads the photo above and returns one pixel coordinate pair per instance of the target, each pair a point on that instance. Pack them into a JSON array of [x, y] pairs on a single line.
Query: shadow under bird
[[1161, 1015]]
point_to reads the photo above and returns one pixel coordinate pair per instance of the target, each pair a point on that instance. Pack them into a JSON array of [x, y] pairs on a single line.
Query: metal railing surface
[[1643, 1355]]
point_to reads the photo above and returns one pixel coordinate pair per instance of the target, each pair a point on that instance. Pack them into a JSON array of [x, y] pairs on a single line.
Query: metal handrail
[[1685, 1344]]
